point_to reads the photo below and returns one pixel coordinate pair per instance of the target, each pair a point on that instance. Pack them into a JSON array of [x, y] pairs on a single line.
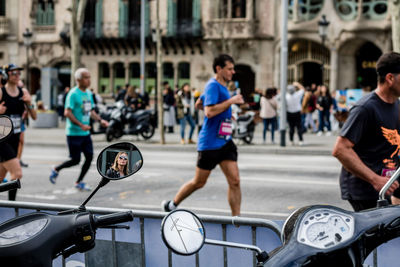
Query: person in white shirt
[[294, 96]]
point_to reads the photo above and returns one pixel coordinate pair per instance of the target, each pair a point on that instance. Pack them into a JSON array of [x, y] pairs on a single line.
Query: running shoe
[[165, 206], [53, 176], [83, 186]]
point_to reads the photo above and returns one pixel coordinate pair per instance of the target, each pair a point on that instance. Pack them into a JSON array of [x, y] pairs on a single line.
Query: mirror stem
[[102, 183]]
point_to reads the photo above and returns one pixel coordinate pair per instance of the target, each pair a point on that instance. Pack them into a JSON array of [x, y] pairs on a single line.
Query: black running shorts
[[9, 148], [208, 159]]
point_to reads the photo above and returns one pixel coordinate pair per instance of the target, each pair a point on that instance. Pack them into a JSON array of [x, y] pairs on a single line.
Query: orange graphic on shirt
[[393, 138]]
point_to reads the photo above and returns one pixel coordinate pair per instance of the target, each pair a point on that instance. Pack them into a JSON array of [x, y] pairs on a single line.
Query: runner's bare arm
[[211, 111]]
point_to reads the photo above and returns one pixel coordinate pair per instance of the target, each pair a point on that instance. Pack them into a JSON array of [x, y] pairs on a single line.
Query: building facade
[[193, 33]]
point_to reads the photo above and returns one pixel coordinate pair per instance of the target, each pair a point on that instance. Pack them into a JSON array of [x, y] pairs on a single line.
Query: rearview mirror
[[183, 232], [119, 161], [6, 127]]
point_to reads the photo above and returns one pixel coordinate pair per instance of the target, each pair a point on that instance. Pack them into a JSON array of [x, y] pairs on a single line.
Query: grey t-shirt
[[373, 126]]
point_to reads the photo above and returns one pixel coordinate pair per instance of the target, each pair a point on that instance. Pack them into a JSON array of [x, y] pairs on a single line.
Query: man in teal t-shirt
[[215, 145], [79, 107]]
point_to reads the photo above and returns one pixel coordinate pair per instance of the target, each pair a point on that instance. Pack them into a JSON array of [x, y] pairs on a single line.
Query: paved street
[[275, 180]]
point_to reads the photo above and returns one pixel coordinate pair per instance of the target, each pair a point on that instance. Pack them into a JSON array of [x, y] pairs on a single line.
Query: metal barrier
[[120, 247]]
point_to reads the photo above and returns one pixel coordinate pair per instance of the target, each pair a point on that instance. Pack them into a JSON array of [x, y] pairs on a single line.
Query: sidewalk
[[314, 145]]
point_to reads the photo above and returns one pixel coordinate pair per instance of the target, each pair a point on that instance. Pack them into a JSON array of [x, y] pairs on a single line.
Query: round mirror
[[119, 161], [183, 232], [6, 127]]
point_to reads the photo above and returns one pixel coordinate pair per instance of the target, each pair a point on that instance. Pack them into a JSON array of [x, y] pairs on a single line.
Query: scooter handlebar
[[114, 218], [10, 185]]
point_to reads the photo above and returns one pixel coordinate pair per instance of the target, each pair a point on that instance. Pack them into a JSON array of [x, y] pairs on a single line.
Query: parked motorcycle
[[37, 238], [318, 235], [125, 120], [243, 125]]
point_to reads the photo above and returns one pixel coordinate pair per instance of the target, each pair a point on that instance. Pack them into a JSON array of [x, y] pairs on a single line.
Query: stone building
[[193, 32]]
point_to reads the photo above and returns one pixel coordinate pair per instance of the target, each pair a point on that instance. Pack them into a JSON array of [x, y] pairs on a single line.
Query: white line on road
[[289, 181], [46, 197]]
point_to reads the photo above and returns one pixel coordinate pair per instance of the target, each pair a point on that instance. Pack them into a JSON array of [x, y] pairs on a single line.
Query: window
[[119, 70], [151, 70], [371, 9], [45, 13], [2, 7], [232, 9], [306, 9], [134, 70], [89, 24], [184, 17], [184, 70], [104, 78], [134, 18], [168, 70]]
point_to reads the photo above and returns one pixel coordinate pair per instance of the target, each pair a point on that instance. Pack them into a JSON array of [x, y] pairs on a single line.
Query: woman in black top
[[324, 104], [13, 101], [120, 166]]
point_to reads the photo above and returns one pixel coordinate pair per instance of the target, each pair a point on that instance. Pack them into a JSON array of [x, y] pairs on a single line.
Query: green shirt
[[81, 103]]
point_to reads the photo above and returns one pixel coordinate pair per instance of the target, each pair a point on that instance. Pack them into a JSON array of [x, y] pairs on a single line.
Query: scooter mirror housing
[[6, 127], [119, 161], [183, 232]]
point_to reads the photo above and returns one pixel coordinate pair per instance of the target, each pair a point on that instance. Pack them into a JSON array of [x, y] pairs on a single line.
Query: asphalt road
[[273, 185]]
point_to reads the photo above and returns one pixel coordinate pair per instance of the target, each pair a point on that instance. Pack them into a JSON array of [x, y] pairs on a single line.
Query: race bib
[[16, 120], [225, 129], [87, 107], [388, 172]]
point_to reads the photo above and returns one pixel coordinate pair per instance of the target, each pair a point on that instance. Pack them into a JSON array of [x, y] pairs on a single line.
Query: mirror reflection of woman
[[120, 166]]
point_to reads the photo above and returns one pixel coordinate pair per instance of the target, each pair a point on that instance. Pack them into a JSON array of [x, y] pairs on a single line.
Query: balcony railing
[[4, 26], [231, 29]]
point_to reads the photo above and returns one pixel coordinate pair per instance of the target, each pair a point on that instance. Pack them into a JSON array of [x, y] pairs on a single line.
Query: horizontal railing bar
[[237, 221]]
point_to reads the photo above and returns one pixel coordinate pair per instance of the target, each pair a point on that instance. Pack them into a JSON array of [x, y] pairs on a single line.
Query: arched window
[[119, 74], [104, 78], [168, 73], [134, 74], [183, 73]]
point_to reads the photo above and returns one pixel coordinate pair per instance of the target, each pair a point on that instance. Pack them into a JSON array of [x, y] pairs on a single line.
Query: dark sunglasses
[[15, 73], [122, 157]]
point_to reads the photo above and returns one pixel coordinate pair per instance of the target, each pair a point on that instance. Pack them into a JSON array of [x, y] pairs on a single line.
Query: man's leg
[[199, 180], [87, 149], [231, 171]]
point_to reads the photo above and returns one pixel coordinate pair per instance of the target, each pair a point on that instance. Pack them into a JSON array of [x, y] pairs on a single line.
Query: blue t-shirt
[[81, 103], [214, 93]]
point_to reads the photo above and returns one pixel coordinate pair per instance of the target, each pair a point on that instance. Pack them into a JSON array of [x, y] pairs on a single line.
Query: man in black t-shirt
[[369, 142]]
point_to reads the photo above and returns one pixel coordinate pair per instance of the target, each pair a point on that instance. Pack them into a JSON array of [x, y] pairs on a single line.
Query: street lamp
[[323, 32], [27, 42]]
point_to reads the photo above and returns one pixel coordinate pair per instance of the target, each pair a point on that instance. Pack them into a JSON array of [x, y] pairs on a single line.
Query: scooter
[[124, 120], [37, 238], [318, 235], [243, 125]]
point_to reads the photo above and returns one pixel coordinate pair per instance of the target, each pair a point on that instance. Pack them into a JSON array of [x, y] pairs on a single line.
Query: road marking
[[226, 211], [289, 181], [47, 197]]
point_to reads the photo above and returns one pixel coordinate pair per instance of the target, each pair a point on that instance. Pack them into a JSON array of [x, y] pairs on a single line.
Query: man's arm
[[68, 113], [211, 111], [26, 97], [96, 116], [344, 152]]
